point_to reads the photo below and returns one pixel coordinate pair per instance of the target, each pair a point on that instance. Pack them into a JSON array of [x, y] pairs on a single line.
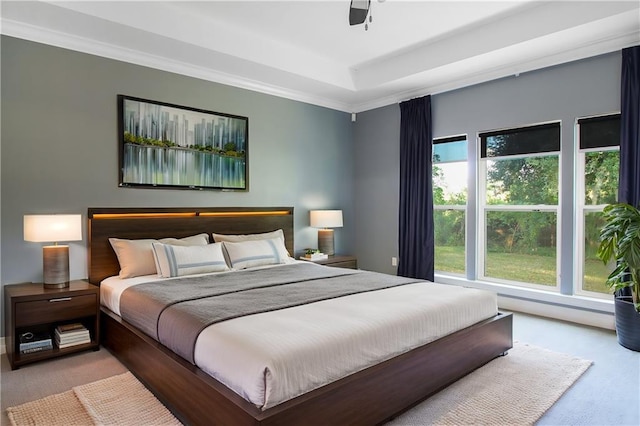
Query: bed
[[368, 396]]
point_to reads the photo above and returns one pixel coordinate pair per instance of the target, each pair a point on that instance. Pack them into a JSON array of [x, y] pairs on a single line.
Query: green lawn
[[528, 268], [450, 259]]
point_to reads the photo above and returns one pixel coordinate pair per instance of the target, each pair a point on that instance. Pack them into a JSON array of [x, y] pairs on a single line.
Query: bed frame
[[371, 396]]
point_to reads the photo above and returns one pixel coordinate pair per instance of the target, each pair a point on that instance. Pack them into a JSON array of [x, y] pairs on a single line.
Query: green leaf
[[620, 241]]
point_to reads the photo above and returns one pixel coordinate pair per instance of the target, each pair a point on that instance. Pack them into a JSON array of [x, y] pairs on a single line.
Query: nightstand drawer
[[55, 309], [350, 264], [337, 261]]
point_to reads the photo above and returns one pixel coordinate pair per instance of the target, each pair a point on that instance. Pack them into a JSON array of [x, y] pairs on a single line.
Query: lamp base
[[55, 286], [325, 241], [55, 266]]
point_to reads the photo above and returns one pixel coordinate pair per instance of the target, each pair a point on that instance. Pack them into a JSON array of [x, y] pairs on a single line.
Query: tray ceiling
[[306, 50]]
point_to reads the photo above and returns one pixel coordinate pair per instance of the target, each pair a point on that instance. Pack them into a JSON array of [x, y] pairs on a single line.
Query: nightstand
[[339, 261], [30, 307]]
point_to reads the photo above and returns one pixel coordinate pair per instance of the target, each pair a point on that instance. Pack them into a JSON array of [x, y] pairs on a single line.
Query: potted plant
[[620, 242]]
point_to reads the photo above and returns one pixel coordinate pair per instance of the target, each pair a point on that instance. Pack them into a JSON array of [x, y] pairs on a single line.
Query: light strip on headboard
[[256, 213], [189, 214], [141, 215]]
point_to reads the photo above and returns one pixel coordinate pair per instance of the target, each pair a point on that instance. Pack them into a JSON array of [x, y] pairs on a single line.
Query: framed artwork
[[170, 146]]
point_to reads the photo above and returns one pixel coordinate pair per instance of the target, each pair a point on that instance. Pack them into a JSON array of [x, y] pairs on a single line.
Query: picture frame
[[162, 145]]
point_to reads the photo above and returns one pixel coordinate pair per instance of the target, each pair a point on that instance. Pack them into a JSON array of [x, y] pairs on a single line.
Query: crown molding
[[605, 42], [572, 53], [93, 47]]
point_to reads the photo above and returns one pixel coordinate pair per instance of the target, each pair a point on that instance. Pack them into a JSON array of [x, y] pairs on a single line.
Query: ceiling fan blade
[[358, 11]]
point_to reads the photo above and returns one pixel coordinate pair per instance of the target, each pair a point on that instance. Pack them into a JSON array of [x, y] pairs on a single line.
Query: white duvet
[[271, 357]]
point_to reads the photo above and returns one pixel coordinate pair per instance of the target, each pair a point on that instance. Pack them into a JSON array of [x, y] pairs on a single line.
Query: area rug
[[516, 389], [117, 400]]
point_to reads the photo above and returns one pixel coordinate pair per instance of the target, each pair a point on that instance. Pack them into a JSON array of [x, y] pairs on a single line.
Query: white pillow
[[176, 261], [250, 253], [250, 237], [194, 240], [136, 256]]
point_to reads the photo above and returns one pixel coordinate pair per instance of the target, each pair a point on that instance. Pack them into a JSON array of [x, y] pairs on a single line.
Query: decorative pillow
[[250, 253], [136, 256], [176, 261], [194, 240], [250, 237]]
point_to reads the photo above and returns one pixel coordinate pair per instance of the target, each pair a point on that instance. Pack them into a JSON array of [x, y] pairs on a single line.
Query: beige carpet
[[118, 400], [513, 390], [516, 389]]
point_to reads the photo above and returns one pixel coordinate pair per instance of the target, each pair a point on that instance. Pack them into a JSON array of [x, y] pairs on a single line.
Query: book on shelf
[[63, 328], [71, 330], [36, 349], [71, 334], [62, 345], [30, 336], [33, 345], [31, 341], [71, 339]]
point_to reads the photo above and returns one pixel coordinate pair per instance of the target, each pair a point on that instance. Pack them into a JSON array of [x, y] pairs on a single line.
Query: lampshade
[[326, 218], [53, 228], [55, 259]]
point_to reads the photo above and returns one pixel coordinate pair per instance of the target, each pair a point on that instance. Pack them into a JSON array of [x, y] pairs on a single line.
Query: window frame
[[483, 207], [581, 208], [459, 207]]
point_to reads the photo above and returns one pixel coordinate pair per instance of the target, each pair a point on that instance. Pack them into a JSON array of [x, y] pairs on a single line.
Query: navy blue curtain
[[629, 185], [415, 236], [629, 189]]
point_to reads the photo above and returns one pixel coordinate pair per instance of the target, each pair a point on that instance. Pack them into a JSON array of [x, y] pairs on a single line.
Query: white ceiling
[[306, 50]]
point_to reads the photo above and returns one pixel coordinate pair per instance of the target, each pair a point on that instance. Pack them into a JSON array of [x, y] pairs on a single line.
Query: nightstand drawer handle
[[61, 299]]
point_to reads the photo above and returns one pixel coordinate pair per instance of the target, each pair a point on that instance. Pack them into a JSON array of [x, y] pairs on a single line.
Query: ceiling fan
[[358, 11]]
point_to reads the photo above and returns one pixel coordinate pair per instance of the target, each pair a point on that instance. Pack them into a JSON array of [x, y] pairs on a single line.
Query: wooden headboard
[[177, 222]]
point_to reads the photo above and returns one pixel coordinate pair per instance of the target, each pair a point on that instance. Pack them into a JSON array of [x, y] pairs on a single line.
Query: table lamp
[[55, 258], [326, 219]]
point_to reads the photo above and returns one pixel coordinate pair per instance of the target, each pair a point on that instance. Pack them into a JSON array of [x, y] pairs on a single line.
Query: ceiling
[[306, 50]]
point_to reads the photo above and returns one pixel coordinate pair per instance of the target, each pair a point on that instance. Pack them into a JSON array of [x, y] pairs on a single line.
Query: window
[[518, 200], [597, 168], [450, 203]]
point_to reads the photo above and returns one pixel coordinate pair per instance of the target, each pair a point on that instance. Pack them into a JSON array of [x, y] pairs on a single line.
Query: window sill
[[579, 309]]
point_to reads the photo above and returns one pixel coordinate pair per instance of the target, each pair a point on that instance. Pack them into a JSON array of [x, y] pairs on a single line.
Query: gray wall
[[564, 92], [376, 186], [60, 148]]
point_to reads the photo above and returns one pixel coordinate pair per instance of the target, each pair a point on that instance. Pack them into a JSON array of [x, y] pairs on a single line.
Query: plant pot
[[627, 323]]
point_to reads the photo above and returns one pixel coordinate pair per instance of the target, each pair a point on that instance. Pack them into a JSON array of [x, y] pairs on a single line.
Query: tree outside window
[[598, 163], [449, 172], [519, 171]]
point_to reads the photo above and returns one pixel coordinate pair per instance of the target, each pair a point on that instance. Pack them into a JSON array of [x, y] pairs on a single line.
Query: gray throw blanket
[[174, 312]]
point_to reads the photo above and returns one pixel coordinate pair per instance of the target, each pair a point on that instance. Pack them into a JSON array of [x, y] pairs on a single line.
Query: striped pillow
[[174, 261], [246, 254], [235, 238]]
